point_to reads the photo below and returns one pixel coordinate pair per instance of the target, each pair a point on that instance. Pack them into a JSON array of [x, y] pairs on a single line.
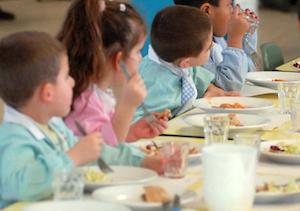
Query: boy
[[171, 71], [229, 61], [34, 143]]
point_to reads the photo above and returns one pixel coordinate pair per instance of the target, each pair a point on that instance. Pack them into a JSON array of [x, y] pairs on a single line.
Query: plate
[[131, 196], [74, 206], [264, 78], [271, 197], [253, 104], [192, 157], [122, 175], [248, 121], [280, 157]]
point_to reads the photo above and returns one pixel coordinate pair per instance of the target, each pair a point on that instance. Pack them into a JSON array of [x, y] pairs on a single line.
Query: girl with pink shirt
[[98, 38]]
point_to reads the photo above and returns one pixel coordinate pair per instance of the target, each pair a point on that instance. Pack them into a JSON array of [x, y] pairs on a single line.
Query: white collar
[[14, 116], [182, 72]]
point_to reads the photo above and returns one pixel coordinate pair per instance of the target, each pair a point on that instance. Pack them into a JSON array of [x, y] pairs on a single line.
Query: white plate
[[191, 158], [264, 78], [254, 104], [74, 206], [131, 196], [279, 157], [122, 175], [271, 197], [249, 121]]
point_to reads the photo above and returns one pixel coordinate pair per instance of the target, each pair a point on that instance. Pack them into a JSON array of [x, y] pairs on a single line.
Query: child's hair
[[179, 31], [196, 3], [93, 34], [27, 59]]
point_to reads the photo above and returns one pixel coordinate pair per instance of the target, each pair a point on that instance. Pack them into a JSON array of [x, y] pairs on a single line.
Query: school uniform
[[171, 87], [29, 157]]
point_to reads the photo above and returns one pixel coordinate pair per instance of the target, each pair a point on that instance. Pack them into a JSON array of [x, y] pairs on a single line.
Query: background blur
[[278, 23]]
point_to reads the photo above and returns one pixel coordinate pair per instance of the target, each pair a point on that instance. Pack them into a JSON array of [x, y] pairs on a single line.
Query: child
[[121, 31], [172, 71], [34, 142], [229, 61]]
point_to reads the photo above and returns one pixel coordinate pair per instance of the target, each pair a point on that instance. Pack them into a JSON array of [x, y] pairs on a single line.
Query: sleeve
[[122, 154], [90, 112], [27, 170], [230, 74], [202, 78]]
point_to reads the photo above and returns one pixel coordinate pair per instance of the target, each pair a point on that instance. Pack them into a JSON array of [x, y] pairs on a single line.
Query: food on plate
[[279, 80], [285, 148], [93, 175], [166, 113], [234, 121], [290, 187], [230, 105], [153, 149], [297, 65], [155, 194]]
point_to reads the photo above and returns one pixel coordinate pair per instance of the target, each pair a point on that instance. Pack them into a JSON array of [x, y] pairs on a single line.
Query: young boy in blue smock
[[34, 142], [229, 60], [171, 71]]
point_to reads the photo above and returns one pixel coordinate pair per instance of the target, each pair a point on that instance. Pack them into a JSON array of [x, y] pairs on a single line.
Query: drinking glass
[[216, 128], [175, 156], [68, 185], [229, 176], [295, 115], [286, 92]]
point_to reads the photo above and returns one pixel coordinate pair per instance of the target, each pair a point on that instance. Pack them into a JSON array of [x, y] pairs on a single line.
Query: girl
[[98, 38]]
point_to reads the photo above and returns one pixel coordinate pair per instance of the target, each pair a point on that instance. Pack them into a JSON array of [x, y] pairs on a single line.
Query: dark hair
[[179, 31], [27, 59], [91, 35], [196, 3]]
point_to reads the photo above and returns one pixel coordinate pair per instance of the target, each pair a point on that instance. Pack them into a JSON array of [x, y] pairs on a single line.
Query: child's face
[[220, 16], [134, 58], [63, 89], [202, 58]]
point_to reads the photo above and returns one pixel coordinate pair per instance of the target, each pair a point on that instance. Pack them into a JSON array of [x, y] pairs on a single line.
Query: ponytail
[[82, 37]]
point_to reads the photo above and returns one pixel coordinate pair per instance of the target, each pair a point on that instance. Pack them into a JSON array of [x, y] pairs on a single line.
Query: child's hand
[[142, 129], [87, 149], [213, 91], [155, 163], [237, 28], [134, 91]]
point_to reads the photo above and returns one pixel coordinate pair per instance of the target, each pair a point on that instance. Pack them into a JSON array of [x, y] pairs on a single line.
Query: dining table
[[179, 130]]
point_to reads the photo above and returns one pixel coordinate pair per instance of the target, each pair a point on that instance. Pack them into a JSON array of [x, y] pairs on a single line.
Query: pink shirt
[[94, 109]]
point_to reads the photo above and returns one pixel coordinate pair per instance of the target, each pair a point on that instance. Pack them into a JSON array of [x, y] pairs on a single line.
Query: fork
[[100, 162], [173, 205], [147, 114]]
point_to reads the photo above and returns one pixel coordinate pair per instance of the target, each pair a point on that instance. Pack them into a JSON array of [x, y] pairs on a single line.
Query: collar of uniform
[[182, 72], [14, 116]]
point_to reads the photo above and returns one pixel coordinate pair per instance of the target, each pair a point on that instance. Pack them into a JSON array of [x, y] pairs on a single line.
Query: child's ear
[[206, 7], [116, 60], [47, 92], [184, 62]]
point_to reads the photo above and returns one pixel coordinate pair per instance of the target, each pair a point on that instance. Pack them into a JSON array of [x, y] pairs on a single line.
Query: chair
[[148, 9], [271, 55]]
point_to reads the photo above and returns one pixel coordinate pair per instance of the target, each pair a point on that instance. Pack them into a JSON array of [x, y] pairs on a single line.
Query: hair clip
[[122, 7]]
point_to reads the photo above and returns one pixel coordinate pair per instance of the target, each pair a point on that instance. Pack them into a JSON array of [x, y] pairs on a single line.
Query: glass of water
[[68, 185], [216, 128], [287, 91], [295, 115]]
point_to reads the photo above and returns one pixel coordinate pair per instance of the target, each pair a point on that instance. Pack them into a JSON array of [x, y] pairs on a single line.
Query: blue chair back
[[148, 9]]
